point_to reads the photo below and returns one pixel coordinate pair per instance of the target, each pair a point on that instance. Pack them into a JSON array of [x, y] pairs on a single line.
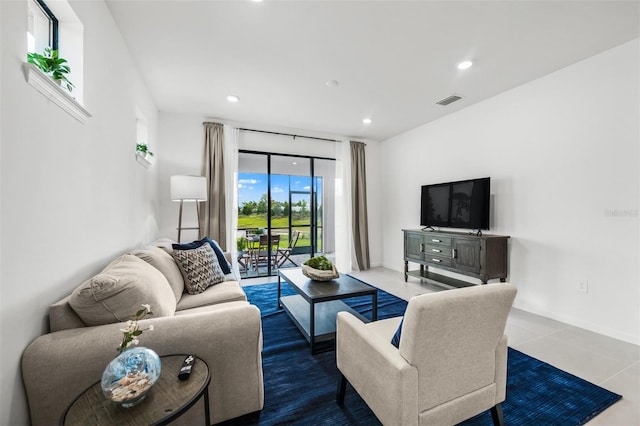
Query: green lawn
[[255, 221], [280, 226]]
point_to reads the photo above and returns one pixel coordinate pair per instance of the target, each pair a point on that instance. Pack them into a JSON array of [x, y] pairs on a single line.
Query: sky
[[251, 186]]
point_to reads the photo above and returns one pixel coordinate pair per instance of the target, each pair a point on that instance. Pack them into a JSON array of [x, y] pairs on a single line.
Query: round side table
[[167, 400]]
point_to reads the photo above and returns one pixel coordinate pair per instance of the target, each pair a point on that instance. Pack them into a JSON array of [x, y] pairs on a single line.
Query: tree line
[[278, 208]]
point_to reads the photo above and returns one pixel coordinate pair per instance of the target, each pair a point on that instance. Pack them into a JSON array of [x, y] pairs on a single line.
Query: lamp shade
[[188, 188]]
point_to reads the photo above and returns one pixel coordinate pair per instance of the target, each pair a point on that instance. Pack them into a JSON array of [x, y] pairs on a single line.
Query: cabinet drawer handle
[[421, 248], [436, 241], [436, 251], [454, 253], [437, 260]]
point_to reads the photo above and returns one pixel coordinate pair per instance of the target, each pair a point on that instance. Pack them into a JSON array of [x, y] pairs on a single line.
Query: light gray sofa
[[218, 325]]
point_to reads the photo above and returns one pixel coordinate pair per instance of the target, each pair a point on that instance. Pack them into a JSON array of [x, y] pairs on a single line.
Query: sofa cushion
[[227, 291], [163, 262], [199, 267], [116, 293]]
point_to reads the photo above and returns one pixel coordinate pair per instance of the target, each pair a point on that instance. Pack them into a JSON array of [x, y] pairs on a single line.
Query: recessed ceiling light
[[366, 121], [464, 65], [294, 163], [233, 99], [332, 83]]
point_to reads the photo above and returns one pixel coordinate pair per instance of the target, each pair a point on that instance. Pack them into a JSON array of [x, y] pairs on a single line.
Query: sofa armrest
[[57, 367], [386, 380], [63, 317]]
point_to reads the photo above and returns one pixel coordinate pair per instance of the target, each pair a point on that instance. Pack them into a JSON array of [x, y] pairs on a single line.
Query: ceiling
[[393, 60]]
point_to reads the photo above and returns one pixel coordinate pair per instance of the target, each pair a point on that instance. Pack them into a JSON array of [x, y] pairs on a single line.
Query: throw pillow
[[163, 262], [199, 267], [395, 340], [222, 260], [116, 293]]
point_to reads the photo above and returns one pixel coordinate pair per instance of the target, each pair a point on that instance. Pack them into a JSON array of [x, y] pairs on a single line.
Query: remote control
[[185, 370]]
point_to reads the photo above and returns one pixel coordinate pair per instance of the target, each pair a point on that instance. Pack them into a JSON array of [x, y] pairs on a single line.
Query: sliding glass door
[[281, 198]]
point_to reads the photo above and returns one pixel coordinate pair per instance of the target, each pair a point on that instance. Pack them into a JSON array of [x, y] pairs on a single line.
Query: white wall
[[563, 155], [73, 196], [181, 141]]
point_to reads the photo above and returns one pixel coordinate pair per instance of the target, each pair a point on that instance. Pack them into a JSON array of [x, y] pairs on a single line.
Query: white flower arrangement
[[133, 331]]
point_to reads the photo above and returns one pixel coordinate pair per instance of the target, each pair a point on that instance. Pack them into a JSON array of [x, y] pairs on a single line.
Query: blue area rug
[[300, 388]]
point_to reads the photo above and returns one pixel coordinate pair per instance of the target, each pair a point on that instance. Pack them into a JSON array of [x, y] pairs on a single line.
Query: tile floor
[[607, 362]]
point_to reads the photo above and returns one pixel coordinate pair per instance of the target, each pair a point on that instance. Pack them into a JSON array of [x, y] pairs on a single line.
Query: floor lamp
[[188, 189]]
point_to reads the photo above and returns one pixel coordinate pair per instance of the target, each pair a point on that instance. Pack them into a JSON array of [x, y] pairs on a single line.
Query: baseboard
[[569, 320]]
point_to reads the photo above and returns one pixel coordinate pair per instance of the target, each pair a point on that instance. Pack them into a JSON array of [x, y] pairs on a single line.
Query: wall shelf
[[143, 160], [52, 91]]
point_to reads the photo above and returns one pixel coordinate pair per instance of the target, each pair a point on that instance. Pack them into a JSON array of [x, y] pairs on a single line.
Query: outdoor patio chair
[[284, 253], [266, 252]]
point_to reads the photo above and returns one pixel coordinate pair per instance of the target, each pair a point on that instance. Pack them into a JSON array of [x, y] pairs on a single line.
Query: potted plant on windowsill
[[143, 149], [52, 65]]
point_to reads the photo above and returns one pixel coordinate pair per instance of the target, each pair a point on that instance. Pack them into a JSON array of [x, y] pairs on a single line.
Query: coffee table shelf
[[315, 306], [325, 316]]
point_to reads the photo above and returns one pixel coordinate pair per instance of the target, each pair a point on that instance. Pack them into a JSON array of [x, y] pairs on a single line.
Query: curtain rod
[[289, 134]]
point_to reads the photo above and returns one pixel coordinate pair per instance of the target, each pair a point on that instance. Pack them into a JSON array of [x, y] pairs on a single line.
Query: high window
[[42, 27], [54, 26]]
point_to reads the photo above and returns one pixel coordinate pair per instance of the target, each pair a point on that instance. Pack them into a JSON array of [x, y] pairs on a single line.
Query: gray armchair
[[451, 363]]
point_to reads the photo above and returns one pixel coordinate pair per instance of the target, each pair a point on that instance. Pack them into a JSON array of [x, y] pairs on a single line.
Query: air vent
[[449, 100]]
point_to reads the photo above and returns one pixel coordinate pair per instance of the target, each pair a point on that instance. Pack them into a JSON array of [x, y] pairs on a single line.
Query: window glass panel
[[38, 28]]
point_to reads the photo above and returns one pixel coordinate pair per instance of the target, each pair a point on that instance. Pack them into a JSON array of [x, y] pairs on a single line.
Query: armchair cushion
[[118, 291]]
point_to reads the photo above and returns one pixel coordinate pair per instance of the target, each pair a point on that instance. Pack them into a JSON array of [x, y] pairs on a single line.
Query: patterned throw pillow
[[199, 267], [222, 261]]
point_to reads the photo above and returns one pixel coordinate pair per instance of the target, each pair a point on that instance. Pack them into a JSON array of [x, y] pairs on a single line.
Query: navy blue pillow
[[222, 260], [224, 265], [188, 246], [395, 340]]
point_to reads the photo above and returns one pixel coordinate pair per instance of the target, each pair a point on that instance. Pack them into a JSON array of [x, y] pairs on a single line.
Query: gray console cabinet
[[483, 257]]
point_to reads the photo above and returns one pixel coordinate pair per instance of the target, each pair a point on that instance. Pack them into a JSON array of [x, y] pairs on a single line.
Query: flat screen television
[[461, 204]]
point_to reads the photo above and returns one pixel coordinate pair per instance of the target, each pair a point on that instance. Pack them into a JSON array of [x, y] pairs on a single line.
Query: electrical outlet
[[583, 286]]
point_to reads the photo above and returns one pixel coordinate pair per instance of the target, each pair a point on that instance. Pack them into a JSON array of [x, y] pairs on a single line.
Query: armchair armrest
[[501, 370], [375, 368]]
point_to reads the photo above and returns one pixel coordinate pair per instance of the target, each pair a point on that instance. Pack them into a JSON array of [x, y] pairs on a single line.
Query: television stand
[[478, 256]]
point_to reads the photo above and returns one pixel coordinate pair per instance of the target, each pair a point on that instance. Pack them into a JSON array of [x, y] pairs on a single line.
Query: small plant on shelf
[[53, 65], [143, 149]]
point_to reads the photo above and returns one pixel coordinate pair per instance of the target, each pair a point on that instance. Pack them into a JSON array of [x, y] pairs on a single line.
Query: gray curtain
[[359, 205], [213, 214]]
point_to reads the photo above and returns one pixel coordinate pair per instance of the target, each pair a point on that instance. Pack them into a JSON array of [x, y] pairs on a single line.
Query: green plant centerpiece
[[143, 149], [53, 65], [320, 268]]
